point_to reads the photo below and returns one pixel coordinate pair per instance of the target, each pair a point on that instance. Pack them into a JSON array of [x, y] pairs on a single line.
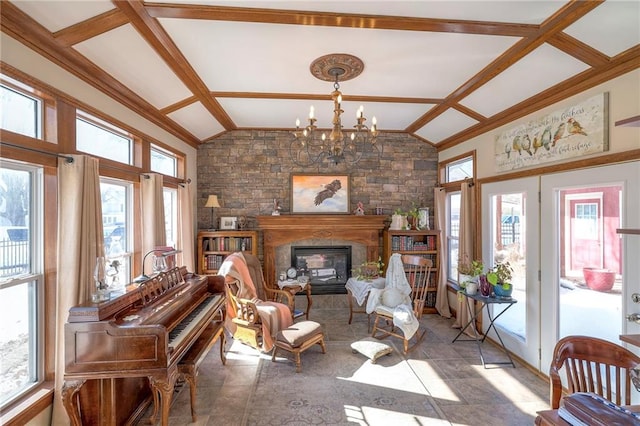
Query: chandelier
[[310, 146]]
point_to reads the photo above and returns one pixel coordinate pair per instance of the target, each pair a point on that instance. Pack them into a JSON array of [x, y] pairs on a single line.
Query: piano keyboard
[[182, 330]]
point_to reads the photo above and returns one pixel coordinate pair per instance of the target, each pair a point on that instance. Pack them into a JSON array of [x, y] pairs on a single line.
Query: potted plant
[[412, 216], [469, 270], [500, 278], [398, 220], [369, 270]]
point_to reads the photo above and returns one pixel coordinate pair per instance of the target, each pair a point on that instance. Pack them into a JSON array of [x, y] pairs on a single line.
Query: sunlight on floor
[[398, 376], [371, 416]]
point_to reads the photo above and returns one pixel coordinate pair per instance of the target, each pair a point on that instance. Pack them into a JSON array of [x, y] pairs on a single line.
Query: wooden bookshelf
[[421, 243], [215, 246]]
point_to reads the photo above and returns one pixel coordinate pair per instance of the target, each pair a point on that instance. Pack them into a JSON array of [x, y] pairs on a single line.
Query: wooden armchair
[[592, 365], [254, 314]]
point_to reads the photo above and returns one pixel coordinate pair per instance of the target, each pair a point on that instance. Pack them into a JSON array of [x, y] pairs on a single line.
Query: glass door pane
[[509, 234], [589, 271]]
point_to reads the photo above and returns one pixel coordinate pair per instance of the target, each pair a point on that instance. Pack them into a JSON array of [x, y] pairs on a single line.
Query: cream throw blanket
[[273, 315], [403, 316]]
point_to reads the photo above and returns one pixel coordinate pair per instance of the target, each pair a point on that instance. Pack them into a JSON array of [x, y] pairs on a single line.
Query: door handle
[[634, 318]]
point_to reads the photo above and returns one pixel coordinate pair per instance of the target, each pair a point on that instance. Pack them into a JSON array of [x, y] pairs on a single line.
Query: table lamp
[[212, 202], [145, 277]]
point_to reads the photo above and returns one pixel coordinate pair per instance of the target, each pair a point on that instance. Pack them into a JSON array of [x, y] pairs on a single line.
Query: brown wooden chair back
[[592, 365], [418, 272]]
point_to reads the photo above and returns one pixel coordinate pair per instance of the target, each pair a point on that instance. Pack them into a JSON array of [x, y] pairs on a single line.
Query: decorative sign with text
[[575, 131]]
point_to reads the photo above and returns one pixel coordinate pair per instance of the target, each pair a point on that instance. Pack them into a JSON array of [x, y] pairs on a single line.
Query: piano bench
[[189, 364], [298, 338]]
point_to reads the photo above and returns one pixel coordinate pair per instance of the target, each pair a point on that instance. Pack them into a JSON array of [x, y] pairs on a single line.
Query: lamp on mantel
[[213, 203]]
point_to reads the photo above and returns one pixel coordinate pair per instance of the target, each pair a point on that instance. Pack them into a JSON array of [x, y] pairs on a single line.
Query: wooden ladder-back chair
[[592, 365], [418, 271]]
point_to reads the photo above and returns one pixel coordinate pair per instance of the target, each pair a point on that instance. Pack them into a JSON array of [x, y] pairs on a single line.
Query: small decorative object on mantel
[[359, 211], [276, 208]]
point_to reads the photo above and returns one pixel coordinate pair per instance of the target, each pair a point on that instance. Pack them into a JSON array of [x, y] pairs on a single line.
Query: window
[[459, 170], [20, 112], [21, 279], [453, 233], [587, 220], [171, 215], [97, 137], [452, 173], [163, 162], [116, 226]]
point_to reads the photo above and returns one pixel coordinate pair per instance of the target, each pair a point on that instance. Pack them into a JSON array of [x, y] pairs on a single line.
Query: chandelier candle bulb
[[310, 147], [297, 123]]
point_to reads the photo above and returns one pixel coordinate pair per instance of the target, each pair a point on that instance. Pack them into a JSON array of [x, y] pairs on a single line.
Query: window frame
[[109, 128], [20, 89], [452, 187], [34, 279]]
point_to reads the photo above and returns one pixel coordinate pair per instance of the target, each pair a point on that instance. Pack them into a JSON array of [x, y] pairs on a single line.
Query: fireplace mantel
[[286, 229]]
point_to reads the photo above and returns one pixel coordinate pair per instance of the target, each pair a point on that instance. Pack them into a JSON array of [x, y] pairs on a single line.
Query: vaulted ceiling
[[443, 71]]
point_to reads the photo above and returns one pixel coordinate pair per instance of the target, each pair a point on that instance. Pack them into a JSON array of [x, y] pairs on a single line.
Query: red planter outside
[[599, 279]]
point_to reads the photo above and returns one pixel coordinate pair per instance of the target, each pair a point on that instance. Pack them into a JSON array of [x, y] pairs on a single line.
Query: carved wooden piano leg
[[156, 404], [163, 389], [70, 400]]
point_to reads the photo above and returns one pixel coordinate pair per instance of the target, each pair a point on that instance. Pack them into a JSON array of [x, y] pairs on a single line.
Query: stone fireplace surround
[[363, 233]]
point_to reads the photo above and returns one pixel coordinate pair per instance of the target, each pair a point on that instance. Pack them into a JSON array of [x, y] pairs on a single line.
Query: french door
[[510, 218], [580, 212]]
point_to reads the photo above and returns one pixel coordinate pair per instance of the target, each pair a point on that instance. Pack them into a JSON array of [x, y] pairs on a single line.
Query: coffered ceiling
[[443, 71]]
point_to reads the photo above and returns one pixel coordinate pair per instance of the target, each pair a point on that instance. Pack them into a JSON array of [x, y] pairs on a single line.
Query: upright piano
[[125, 351]]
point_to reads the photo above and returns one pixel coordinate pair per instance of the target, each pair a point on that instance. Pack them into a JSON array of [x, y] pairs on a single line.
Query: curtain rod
[[40, 151], [182, 182], [70, 159]]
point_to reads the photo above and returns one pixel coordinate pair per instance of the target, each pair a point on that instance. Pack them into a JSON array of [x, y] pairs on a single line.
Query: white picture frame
[[228, 222]]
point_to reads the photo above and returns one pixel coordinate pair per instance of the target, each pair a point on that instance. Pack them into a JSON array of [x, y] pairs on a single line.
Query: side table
[[294, 287], [485, 302], [359, 290]]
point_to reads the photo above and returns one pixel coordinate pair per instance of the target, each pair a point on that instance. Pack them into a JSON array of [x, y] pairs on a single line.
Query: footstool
[[371, 348], [298, 338]]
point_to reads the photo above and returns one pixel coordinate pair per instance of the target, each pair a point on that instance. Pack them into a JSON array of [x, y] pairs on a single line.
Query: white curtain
[[186, 237], [80, 242], [465, 248], [154, 233], [442, 298]]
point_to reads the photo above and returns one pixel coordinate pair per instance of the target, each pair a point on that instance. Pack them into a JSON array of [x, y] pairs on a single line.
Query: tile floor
[[439, 382]]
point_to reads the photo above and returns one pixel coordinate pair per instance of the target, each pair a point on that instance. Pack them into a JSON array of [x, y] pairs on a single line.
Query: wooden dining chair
[[418, 270], [592, 365]]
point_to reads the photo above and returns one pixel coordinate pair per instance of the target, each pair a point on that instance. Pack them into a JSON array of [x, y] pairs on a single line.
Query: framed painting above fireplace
[[320, 193]]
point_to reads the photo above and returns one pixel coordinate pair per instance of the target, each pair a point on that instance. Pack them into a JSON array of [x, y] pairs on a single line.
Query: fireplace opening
[[328, 267]]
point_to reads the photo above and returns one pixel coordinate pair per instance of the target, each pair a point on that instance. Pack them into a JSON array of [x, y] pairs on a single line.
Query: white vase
[[397, 222], [464, 279], [472, 288]]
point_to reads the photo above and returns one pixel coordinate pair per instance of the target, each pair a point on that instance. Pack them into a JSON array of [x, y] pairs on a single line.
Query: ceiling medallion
[[307, 147], [325, 67]]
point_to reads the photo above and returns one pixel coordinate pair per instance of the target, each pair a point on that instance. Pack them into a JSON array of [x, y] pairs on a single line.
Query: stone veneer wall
[[248, 169]]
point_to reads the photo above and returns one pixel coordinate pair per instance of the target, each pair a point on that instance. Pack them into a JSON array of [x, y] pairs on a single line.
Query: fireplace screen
[[328, 268]]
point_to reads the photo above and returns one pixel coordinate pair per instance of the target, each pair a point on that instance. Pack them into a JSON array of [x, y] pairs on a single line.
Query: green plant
[[399, 212], [473, 268], [369, 270], [501, 274], [413, 211]]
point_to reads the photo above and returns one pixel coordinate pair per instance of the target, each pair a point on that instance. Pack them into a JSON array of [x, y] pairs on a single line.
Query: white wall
[[624, 102]]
